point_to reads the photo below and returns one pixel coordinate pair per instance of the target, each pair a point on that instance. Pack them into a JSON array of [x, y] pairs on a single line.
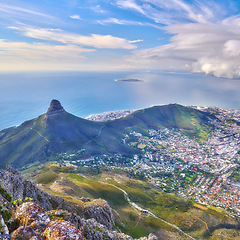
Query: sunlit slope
[[199, 221], [192, 122], [39, 138]]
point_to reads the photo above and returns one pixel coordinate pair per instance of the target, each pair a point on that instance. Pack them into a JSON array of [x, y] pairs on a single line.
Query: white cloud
[[126, 22], [21, 55], [206, 48], [39, 50], [77, 17], [98, 9], [94, 40], [203, 39], [12, 12], [130, 4], [136, 41], [173, 11]]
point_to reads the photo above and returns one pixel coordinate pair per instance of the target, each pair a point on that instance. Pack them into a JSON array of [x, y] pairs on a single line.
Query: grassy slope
[[190, 121], [192, 218]]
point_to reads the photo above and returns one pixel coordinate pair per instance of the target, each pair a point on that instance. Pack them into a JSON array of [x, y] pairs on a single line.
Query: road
[[147, 211]]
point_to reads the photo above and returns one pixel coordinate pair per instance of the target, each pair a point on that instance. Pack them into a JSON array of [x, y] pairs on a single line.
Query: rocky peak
[[55, 108]]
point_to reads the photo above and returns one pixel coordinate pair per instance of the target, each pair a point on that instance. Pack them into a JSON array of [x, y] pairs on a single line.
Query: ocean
[[24, 96]]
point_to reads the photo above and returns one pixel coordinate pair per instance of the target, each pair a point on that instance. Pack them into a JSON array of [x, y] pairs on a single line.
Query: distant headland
[[129, 80]]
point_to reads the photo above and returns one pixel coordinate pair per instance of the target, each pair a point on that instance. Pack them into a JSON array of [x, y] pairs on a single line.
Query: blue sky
[[121, 35]]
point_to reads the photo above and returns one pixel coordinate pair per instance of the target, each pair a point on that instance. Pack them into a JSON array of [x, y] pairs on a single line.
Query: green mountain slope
[[197, 220], [192, 122], [59, 131]]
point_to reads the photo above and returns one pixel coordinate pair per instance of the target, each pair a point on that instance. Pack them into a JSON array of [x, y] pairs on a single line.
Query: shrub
[[5, 194]]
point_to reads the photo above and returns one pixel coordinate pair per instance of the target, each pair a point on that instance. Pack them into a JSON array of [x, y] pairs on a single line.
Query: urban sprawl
[[206, 172]]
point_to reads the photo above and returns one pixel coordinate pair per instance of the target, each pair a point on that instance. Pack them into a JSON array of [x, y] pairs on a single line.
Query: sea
[[26, 95]]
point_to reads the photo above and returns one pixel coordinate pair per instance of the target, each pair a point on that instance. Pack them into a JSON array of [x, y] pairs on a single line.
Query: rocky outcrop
[[5, 237], [150, 237], [62, 225], [101, 211], [31, 214], [93, 230], [62, 230], [55, 108], [49, 217], [23, 233], [12, 181]]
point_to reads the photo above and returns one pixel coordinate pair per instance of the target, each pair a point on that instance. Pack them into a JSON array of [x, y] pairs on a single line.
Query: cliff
[[37, 215]]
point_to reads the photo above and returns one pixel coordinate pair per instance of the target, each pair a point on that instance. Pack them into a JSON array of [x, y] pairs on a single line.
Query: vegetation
[[5, 214], [5, 194], [186, 214], [41, 138], [47, 176]]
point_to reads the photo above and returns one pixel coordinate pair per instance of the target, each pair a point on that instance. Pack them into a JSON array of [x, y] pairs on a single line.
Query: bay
[[24, 96]]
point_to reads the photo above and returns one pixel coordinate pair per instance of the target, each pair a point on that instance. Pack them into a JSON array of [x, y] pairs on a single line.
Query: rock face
[[36, 220], [55, 108], [93, 230], [62, 230], [101, 211], [23, 233], [60, 224], [13, 182], [31, 214]]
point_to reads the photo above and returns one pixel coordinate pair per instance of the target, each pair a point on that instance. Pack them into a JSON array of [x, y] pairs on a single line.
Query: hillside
[[192, 122], [194, 219], [58, 131], [28, 213]]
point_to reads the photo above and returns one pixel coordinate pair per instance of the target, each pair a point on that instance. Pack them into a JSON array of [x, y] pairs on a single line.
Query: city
[[207, 172]]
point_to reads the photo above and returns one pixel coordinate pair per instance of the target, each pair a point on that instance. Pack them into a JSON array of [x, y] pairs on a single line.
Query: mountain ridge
[[58, 131]]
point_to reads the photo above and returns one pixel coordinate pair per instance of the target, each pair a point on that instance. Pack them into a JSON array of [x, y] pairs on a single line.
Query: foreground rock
[[40, 225], [12, 181], [23, 233], [48, 217], [62, 230], [31, 214]]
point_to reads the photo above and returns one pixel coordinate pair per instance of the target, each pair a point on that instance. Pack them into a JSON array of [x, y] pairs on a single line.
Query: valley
[[138, 203]]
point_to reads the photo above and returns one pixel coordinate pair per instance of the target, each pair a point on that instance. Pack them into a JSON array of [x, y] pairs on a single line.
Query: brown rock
[[62, 230], [55, 108], [34, 238], [99, 210], [23, 233], [73, 218], [5, 237], [31, 214]]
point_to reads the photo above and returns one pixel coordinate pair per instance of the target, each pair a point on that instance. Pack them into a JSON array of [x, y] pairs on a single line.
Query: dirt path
[[148, 212]]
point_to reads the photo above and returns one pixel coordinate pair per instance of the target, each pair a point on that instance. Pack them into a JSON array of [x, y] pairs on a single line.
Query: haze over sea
[[24, 96]]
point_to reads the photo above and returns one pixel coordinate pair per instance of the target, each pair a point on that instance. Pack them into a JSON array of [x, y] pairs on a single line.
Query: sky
[[201, 36]]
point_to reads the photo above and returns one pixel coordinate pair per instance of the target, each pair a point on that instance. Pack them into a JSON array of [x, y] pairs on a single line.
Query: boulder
[[31, 214], [23, 233], [62, 230]]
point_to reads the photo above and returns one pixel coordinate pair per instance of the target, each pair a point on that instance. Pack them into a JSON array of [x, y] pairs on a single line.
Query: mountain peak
[[55, 108]]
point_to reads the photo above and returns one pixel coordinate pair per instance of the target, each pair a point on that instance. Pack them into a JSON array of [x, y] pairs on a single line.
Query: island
[[129, 80]]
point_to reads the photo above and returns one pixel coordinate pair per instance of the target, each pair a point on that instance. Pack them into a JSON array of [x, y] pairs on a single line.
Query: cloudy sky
[[174, 35]]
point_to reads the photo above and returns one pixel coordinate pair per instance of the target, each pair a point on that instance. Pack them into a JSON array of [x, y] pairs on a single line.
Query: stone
[[99, 210], [55, 108], [67, 216], [62, 230], [5, 237], [31, 214], [23, 233]]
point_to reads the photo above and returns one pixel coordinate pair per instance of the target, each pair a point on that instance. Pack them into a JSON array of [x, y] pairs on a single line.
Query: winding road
[[148, 212]]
